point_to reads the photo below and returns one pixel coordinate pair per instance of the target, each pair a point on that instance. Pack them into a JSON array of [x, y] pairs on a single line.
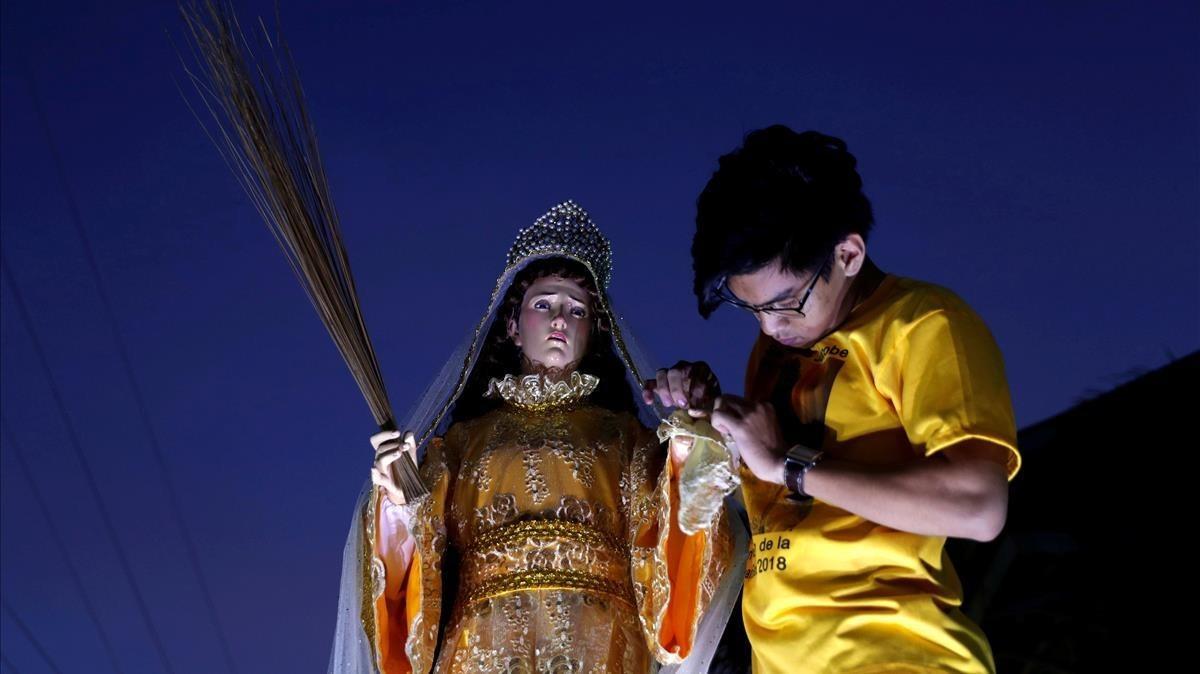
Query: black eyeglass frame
[[725, 295]]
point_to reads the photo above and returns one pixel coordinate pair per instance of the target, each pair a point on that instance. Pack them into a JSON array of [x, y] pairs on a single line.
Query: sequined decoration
[[535, 480], [558, 610], [378, 578], [501, 511], [558, 607], [536, 434], [565, 230], [636, 499], [585, 512], [516, 610], [478, 468]]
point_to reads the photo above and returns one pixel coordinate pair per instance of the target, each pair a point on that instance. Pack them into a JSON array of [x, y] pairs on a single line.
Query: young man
[[876, 420]]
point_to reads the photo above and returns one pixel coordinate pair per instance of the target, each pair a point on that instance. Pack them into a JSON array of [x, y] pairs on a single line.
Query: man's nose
[[770, 324]]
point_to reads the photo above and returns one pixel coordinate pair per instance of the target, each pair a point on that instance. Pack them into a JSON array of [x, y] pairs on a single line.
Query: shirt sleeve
[[951, 385]]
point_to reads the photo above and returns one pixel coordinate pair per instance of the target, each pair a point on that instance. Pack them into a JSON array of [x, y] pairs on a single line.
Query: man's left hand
[[754, 428]]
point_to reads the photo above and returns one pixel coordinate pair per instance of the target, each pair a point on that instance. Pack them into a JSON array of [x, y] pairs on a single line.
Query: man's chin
[[794, 342]]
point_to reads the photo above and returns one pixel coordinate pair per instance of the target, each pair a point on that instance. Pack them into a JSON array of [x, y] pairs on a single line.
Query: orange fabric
[[687, 572], [392, 634], [685, 568]]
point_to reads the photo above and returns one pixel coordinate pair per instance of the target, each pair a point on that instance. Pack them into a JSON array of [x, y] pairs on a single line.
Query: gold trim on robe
[[564, 524]]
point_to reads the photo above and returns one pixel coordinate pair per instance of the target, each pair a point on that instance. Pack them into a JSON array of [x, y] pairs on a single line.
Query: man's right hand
[[688, 385]]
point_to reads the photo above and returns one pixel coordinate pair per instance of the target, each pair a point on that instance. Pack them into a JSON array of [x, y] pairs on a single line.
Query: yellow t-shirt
[[912, 370]]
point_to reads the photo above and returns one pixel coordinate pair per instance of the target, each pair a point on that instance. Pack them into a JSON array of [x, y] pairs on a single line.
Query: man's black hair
[[782, 196]]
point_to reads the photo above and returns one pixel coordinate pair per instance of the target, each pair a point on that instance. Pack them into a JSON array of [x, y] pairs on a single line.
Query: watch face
[[802, 454]]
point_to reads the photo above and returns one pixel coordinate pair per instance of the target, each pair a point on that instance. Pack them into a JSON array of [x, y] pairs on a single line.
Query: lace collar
[[537, 392]]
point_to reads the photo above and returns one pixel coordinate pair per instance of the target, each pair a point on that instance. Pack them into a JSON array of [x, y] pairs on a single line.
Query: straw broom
[[263, 131]]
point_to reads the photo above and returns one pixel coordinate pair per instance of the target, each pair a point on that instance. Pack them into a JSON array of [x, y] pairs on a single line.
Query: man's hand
[[691, 386], [754, 428]]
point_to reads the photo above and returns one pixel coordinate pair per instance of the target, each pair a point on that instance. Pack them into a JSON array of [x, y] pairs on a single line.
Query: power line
[[37, 645], [89, 476], [136, 389], [11, 439], [8, 663]]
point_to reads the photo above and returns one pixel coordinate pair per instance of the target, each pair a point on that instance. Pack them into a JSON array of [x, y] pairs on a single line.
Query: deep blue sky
[[1042, 159]]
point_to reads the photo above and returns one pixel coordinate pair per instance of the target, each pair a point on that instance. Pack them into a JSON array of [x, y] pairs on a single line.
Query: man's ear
[[850, 254]]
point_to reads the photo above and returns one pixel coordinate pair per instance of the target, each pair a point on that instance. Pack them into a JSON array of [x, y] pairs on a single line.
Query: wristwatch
[[796, 464]]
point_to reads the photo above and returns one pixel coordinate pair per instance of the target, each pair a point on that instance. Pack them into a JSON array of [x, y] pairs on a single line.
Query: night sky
[[1041, 159]]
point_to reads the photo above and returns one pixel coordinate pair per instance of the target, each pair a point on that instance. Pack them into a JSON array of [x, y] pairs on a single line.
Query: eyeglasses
[[783, 309]]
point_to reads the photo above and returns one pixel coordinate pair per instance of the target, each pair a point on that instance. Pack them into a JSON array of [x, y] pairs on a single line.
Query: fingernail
[[680, 401]]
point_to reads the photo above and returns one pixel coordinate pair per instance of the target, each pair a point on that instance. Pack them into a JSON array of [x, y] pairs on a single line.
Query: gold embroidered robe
[[564, 522]]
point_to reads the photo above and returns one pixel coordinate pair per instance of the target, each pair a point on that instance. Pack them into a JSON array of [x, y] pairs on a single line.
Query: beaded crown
[[566, 230]]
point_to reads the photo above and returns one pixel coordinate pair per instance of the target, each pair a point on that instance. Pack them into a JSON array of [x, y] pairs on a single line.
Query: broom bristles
[[267, 138]]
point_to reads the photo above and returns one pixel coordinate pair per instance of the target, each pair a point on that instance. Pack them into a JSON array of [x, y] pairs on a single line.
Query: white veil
[[353, 648]]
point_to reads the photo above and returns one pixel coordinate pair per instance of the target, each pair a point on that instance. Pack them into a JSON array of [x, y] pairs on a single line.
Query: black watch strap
[[796, 464]]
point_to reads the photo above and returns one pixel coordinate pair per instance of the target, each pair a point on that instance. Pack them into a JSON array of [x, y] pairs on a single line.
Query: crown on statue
[[565, 230]]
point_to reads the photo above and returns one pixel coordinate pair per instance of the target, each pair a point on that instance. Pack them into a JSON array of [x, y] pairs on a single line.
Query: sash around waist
[[545, 555]]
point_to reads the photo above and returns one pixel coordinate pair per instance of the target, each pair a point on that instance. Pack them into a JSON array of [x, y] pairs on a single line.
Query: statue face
[[555, 322]]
